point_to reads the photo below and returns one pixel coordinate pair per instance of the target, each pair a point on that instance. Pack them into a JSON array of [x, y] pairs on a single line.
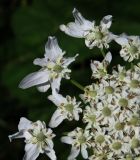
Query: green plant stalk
[[78, 85], [103, 53]]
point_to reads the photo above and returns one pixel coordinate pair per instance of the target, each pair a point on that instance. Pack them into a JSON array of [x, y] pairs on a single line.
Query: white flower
[[105, 113], [80, 141], [94, 35], [68, 108], [91, 93], [133, 80], [90, 116], [109, 88], [38, 139], [130, 47], [99, 69], [54, 68]]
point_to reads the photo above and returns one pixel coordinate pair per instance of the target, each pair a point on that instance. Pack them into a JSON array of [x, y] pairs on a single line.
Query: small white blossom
[[91, 93], [130, 47], [94, 35], [120, 74], [38, 139], [68, 108], [90, 116], [99, 69], [80, 141], [54, 68]]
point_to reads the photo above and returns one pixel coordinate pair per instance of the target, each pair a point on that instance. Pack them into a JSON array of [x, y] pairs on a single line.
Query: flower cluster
[[109, 107], [112, 114], [38, 139]]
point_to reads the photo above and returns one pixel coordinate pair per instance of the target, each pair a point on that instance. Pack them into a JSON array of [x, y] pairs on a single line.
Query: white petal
[[24, 123], [34, 79], [84, 151], [95, 65], [76, 115], [68, 61], [57, 99], [73, 30], [40, 62], [77, 28], [122, 40], [74, 153], [55, 84], [66, 139], [56, 119], [43, 87], [16, 135], [52, 49], [79, 19], [31, 152], [106, 21], [108, 57], [50, 153], [50, 143]]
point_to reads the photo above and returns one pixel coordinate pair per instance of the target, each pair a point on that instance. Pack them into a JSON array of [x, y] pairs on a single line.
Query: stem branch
[[103, 53], [78, 85]]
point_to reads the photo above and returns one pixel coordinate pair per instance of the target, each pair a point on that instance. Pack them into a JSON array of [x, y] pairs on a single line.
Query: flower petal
[[55, 84], [16, 135], [56, 119], [68, 61], [108, 57], [52, 49], [40, 62], [77, 28], [43, 87], [84, 151], [31, 152], [66, 139], [34, 79], [79, 19], [74, 153], [106, 22], [50, 153], [122, 40], [57, 99], [24, 123]]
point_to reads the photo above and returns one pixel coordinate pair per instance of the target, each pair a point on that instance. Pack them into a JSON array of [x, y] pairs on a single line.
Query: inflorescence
[[109, 107]]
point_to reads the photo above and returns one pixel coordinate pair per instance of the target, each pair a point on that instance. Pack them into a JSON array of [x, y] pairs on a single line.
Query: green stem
[[78, 85], [103, 53], [132, 65]]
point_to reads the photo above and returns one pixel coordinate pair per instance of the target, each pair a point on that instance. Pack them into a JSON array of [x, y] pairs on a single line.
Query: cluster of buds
[[109, 107]]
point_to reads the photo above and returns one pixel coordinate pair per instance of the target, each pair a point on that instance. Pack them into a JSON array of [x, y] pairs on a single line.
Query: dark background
[[24, 28]]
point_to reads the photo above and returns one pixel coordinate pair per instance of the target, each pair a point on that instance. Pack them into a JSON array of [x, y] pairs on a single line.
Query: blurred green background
[[24, 28]]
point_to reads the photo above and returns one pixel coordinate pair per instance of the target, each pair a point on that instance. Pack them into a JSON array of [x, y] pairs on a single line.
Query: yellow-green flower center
[[69, 107], [134, 120], [92, 93], [119, 126], [106, 111], [57, 68], [133, 49], [134, 83], [40, 137], [82, 139], [122, 75], [135, 143], [98, 35], [109, 90], [100, 139], [116, 145], [102, 72], [123, 102], [129, 157], [92, 118]]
